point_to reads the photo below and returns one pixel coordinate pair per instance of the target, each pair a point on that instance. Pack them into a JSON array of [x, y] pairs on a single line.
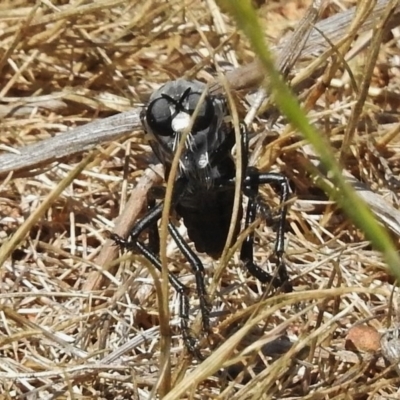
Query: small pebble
[[363, 338]]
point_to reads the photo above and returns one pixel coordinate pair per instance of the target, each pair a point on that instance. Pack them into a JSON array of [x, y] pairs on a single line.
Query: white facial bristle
[[180, 122]]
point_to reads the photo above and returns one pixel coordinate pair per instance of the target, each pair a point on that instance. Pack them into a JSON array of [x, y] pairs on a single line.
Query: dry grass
[[66, 63]]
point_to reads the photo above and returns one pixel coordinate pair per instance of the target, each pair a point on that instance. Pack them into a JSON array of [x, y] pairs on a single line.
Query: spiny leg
[[180, 288], [149, 221], [251, 185], [194, 261], [198, 270]]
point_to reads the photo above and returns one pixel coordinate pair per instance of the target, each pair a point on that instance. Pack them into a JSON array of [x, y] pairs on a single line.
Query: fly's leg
[[150, 252], [181, 289], [198, 270], [193, 259], [251, 185]]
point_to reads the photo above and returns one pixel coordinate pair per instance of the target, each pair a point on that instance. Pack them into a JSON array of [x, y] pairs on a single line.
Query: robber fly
[[204, 189]]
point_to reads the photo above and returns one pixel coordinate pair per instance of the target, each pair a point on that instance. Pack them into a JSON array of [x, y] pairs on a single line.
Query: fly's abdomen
[[207, 219]]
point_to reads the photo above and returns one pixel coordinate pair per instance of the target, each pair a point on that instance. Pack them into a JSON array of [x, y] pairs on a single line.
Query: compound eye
[[159, 118], [206, 112]]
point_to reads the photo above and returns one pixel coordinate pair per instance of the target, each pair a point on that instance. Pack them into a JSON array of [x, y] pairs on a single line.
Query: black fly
[[204, 188]]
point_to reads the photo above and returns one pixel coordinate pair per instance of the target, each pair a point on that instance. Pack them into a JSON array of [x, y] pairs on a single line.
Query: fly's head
[[168, 115]]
